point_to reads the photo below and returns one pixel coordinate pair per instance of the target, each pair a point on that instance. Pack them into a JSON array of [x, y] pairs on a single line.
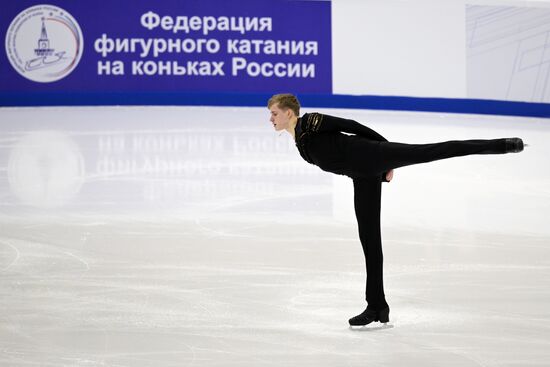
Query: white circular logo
[[44, 43]]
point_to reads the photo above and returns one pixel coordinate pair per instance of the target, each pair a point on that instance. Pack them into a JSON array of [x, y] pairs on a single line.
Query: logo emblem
[[44, 43]]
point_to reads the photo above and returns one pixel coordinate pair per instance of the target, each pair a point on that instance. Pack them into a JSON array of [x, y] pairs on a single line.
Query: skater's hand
[[389, 175]]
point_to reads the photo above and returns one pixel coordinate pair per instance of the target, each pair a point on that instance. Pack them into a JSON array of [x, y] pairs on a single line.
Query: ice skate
[[369, 315], [514, 145]]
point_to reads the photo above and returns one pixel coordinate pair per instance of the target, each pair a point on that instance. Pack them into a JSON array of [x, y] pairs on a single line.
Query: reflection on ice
[[45, 169]]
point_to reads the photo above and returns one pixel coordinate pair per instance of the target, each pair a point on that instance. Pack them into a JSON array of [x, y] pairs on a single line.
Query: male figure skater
[[368, 158]]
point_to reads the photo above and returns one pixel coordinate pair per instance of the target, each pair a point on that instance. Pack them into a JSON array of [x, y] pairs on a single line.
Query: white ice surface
[[191, 236]]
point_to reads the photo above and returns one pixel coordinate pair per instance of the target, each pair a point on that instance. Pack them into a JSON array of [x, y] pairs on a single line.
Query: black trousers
[[370, 161]]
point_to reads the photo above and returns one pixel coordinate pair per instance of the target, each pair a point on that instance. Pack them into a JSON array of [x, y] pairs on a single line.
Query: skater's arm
[[331, 123]]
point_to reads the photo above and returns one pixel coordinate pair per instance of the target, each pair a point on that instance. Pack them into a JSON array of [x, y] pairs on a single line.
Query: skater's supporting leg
[[367, 197]]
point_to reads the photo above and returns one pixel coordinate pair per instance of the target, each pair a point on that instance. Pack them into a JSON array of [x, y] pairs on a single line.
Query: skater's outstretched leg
[[372, 158], [394, 155]]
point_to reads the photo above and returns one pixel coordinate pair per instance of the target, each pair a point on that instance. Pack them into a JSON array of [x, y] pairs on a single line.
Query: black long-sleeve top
[[320, 141]]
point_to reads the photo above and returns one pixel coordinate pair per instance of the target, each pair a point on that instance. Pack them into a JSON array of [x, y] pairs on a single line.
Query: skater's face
[[280, 118]]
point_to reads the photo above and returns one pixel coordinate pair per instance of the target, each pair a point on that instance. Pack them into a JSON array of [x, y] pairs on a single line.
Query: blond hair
[[285, 101]]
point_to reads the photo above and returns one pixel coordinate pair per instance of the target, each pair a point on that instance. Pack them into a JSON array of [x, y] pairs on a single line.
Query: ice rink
[[197, 236]]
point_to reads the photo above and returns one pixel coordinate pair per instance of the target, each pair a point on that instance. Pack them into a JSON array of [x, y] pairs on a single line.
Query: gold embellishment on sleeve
[[314, 121]]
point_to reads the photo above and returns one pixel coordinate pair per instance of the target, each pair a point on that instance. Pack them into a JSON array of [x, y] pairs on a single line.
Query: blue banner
[[136, 46]]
